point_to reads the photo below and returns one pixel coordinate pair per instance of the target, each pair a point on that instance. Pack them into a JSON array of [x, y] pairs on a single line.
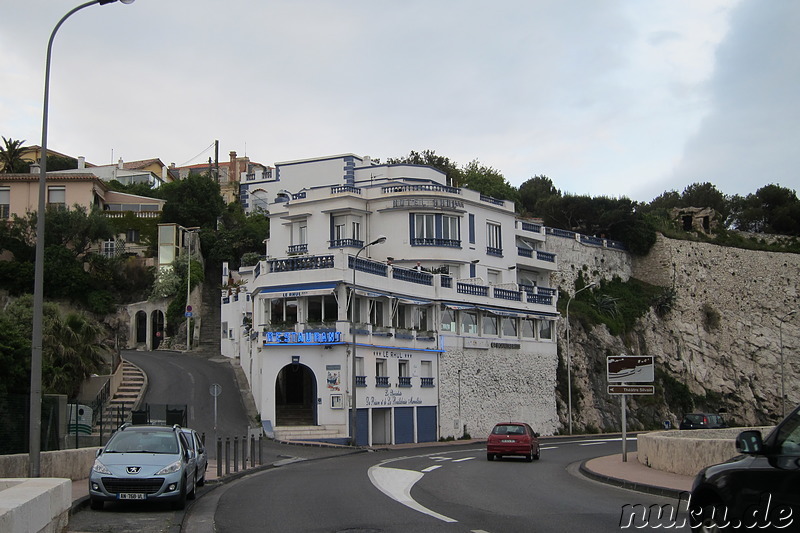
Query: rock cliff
[[718, 348]]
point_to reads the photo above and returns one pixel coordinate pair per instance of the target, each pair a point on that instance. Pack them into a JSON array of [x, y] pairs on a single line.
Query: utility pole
[[216, 160]]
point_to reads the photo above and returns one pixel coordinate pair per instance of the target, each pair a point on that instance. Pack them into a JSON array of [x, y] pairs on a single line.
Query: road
[[449, 488]]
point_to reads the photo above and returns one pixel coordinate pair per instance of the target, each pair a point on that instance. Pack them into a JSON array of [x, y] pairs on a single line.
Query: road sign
[[215, 389], [630, 369], [189, 308], [631, 389], [188, 314]]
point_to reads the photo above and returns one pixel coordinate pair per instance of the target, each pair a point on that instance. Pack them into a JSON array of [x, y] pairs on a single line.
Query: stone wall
[[483, 387], [722, 339]]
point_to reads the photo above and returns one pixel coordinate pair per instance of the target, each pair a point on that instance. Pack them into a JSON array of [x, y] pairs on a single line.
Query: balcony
[[346, 243], [297, 249], [291, 264], [445, 243], [343, 189], [426, 382], [361, 381], [382, 381], [405, 381]]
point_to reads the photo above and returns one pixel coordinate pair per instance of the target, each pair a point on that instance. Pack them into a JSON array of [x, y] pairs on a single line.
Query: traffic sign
[[631, 389], [215, 389], [188, 314], [630, 368], [189, 308]]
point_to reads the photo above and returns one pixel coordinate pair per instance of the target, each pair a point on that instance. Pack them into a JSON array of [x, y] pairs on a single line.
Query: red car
[[512, 438]]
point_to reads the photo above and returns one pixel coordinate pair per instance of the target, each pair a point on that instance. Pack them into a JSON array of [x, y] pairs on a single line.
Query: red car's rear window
[[508, 429]]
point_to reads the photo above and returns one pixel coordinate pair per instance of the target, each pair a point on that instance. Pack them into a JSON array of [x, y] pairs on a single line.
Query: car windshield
[[695, 419], [143, 442], [508, 429]]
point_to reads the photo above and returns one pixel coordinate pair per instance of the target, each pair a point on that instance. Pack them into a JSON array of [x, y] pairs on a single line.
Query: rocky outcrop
[[719, 347]]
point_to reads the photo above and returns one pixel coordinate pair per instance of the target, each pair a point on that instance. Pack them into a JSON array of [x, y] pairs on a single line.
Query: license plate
[[508, 441], [132, 496]]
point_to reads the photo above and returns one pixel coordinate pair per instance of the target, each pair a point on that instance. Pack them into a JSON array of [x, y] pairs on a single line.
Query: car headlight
[[169, 469], [100, 468]]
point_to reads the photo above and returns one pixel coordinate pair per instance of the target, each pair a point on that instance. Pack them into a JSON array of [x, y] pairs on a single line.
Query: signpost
[[215, 390], [621, 370]]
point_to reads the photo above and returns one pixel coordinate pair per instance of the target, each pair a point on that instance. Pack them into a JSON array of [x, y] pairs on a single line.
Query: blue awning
[[503, 312], [459, 307], [298, 289]]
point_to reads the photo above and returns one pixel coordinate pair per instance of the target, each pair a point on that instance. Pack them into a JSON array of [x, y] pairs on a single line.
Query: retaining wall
[[688, 452], [38, 505], [69, 464]]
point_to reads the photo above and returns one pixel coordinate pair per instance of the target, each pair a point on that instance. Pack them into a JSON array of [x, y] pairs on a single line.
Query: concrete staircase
[[118, 409], [209, 343]]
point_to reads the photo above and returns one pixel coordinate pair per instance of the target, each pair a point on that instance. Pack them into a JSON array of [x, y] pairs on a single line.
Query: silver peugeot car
[[144, 463]]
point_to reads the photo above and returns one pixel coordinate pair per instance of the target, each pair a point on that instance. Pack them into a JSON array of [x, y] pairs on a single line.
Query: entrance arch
[[157, 328], [141, 327], [296, 396]]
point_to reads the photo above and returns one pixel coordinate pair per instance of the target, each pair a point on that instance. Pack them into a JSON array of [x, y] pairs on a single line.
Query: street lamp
[[353, 406], [569, 358], [35, 424], [780, 335]]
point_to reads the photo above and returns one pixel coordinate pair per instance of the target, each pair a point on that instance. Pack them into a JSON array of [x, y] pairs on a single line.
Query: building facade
[[429, 304]]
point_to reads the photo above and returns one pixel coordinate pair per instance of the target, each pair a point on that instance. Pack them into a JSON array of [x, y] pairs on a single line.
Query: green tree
[[452, 173], [238, 234], [61, 162], [771, 209], [535, 192], [488, 181], [193, 202], [11, 156]]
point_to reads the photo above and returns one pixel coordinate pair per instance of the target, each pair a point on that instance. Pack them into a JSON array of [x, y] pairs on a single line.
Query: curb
[[630, 485]]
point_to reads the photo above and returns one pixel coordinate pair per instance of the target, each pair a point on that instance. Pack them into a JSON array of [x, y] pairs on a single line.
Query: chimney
[[120, 165], [367, 161], [164, 173], [35, 168], [81, 162]]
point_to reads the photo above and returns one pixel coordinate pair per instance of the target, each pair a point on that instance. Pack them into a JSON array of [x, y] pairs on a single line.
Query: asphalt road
[[451, 488]]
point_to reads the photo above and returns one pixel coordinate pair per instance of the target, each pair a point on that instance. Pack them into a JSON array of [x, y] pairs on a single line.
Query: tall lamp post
[[569, 357], [35, 423], [353, 406], [780, 335]]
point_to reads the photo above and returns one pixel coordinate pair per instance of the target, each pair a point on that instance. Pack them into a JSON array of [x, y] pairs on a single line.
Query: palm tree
[[11, 155]]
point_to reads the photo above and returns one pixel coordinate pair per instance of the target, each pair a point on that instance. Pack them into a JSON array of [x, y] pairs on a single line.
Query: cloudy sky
[[606, 97]]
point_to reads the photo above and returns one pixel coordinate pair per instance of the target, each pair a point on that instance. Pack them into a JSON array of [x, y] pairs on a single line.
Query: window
[[472, 229], [426, 367], [5, 202], [424, 228], [494, 243], [376, 313], [450, 228], [57, 196], [527, 328], [346, 231], [509, 325], [283, 311], [109, 248], [421, 319], [300, 232], [132, 235], [321, 309], [381, 374], [401, 316], [469, 322], [489, 324], [404, 374], [448, 320], [355, 310], [545, 329], [224, 330], [493, 276]]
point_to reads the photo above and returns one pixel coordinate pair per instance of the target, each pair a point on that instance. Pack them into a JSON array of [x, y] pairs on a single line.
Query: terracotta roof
[[136, 165], [50, 177]]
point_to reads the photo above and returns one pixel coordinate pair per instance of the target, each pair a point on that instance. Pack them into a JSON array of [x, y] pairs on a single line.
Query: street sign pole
[[623, 417]]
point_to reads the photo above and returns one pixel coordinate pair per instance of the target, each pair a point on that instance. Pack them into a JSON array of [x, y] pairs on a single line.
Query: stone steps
[[310, 433]]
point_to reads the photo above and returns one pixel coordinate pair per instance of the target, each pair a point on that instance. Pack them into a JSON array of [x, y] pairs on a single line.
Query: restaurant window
[[545, 329], [283, 311], [489, 324], [469, 322], [509, 325], [448, 320], [527, 328]]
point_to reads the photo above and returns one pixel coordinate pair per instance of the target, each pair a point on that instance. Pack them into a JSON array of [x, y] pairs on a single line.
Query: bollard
[[219, 457], [227, 455], [235, 454], [244, 452], [260, 450], [252, 450]]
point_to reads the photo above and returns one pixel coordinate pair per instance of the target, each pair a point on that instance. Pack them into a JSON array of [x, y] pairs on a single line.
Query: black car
[[758, 490], [702, 421]]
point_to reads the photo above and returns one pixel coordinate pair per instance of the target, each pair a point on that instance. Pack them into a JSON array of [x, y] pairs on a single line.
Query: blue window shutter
[[472, 229], [472, 270], [437, 224], [411, 228], [331, 228]]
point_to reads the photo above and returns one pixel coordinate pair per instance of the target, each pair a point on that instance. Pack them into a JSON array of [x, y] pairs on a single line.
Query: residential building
[[239, 179], [150, 171], [19, 194], [449, 323]]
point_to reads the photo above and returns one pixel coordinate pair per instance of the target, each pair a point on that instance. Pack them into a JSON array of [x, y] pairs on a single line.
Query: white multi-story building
[[437, 296]]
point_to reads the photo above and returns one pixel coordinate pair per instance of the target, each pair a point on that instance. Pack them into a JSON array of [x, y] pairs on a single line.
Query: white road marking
[[549, 448], [591, 443], [397, 483], [464, 459], [431, 468], [439, 458]]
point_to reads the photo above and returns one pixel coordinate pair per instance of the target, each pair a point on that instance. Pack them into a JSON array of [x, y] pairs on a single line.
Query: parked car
[[702, 421], [757, 490], [143, 463], [512, 438], [198, 451]]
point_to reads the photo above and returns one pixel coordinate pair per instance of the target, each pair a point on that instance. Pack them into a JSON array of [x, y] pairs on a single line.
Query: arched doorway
[[157, 328], [295, 396], [141, 327]]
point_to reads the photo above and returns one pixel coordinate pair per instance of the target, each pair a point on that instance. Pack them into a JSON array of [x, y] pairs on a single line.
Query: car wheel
[[536, 455], [707, 517], [529, 457], [490, 457], [96, 505]]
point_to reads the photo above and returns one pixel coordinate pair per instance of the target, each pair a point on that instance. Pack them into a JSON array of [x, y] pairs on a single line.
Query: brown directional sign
[[631, 389]]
